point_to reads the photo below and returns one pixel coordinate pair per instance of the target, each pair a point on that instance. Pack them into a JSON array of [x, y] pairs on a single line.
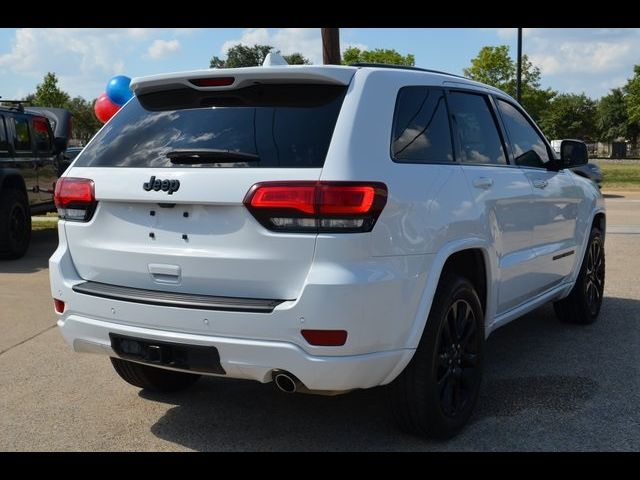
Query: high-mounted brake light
[[212, 82], [75, 199], [308, 207]]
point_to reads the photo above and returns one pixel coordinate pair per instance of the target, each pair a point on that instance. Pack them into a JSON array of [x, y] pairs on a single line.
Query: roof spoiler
[[233, 78]]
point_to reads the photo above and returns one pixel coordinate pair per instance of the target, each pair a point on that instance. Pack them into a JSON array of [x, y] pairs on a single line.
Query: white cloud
[[288, 40], [581, 57], [82, 58], [508, 33], [163, 48], [592, 60]]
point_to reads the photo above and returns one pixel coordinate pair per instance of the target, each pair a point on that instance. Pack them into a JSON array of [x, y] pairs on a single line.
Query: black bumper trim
[[195, 358], [180, 300]]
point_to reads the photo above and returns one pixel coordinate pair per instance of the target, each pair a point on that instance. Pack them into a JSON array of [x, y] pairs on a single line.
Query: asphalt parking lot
[[547, 386]]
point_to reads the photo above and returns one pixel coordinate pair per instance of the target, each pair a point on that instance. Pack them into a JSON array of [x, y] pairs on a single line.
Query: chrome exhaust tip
[[286, 382]]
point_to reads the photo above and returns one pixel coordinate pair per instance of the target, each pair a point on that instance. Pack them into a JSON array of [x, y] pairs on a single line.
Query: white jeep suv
[[327, 228]]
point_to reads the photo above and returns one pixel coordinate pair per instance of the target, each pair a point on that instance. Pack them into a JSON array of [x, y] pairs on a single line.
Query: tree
[[494, 66], [379, 55], [570, 116], [85, 123], [48, 94], [296, 59], [612, 120], [243, 56]]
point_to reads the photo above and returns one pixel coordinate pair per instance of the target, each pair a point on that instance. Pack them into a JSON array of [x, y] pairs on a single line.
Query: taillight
[[317, 207], [75, 199]]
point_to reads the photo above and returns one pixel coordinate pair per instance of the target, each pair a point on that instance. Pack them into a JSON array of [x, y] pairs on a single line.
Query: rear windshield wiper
[[209, 155]]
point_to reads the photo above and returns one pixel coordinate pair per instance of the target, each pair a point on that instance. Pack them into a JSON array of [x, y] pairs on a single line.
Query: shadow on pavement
[[43, 244], [612, 195], [536, 368]]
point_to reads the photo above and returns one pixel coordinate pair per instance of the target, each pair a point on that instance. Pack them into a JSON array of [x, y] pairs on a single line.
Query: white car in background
[[328, 228]]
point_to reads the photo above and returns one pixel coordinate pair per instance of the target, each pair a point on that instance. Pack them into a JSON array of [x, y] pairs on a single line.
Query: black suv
[[31, 160]]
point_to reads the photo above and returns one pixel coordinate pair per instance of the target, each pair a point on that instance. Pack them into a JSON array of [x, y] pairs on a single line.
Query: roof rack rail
[[403, 67], [15, 104]]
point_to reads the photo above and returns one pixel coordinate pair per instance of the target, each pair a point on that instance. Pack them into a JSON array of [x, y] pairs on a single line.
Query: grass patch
[[44, 225], [621, 176]]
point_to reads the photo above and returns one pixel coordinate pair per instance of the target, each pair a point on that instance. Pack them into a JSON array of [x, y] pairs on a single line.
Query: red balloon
[[105, 108]]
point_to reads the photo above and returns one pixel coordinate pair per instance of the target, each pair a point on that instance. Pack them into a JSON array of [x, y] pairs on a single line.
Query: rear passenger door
[[501, 192], [554, 210], [19, 132]]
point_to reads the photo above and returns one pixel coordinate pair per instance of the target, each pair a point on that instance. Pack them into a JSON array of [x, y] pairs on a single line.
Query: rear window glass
[[260, 126], [22, 139], [421, 127], [42, 135]]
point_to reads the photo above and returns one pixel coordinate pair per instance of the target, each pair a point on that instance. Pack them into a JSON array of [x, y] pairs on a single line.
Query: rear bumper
[[374, 301], [247, 359]]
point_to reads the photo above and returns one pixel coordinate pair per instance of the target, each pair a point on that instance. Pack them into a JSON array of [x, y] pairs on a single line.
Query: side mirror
[[59, 144], [573, 153]]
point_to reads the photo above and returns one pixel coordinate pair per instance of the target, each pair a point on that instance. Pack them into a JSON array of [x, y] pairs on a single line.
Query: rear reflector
[[75, 198], [58, 305], [212, 82], [308, 207], [325, 338]]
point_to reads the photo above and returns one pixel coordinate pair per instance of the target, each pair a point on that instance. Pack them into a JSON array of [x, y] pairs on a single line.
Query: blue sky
[[572, 60]]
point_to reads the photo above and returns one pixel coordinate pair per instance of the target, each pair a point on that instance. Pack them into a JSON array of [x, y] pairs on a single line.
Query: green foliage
[[48, 94], [379, 55], [632, 91], [494, 66], [243, 56], [612, 121], [570, 116], [296, 59], [85, 123]]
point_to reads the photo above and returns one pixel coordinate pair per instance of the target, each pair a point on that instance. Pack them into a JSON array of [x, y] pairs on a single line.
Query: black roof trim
[[403, 67]]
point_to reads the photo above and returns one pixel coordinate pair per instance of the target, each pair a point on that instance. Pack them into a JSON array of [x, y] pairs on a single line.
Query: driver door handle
[[540, 183]]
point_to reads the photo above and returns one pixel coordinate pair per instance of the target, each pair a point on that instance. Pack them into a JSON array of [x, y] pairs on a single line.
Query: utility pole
[[519, 68], [330, 46]]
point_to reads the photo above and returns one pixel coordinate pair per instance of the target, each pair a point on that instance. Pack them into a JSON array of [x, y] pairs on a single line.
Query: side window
[[528, 147], [42, 135], [22, 140], [421, 127], [475, 129], [4, 144]]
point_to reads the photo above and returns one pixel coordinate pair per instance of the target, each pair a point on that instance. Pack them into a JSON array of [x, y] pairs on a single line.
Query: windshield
[[264, 126]]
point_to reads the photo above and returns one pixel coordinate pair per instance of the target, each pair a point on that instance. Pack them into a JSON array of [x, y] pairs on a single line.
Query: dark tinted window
[[41, 134], [270, 125], [421, 127], [475, 128], [529, 148], [4, 144], [22, 139]]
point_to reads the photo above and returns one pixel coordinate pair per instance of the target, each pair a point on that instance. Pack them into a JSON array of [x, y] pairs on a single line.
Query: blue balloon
[[118, 90]]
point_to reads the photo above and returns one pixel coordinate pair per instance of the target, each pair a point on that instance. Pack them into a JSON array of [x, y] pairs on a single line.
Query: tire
[[422, 396], [583, 303], [15, 224], [152, 378]]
